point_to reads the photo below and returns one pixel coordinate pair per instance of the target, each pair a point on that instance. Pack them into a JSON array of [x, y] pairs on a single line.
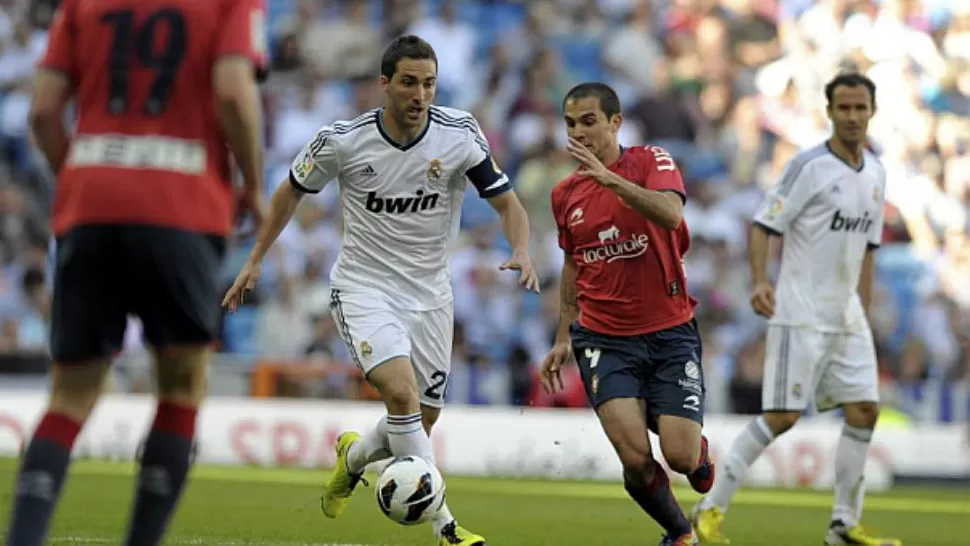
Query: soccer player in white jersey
[[402, 172], [819, 349]]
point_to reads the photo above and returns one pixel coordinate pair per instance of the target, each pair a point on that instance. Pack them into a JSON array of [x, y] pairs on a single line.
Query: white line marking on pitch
[[201, 541]]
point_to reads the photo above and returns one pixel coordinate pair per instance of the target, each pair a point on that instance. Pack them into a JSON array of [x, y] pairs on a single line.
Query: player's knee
[[680, 457], [76, 388], [781, 421], [861, 414], [182, 375]]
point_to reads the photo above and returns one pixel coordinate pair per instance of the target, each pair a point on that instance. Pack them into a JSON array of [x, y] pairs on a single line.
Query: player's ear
[[384, 82], [616, 122]]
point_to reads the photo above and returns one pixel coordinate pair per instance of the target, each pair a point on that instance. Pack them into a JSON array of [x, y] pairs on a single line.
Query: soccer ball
[[410, 490]]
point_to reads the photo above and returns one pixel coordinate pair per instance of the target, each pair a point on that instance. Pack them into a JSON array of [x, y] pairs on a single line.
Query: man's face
[[850, 112], [410, 91], [587, 123]]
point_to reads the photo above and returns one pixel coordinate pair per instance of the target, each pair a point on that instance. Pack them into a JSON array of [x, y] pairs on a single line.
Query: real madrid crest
[[434, 171], [365, 348]]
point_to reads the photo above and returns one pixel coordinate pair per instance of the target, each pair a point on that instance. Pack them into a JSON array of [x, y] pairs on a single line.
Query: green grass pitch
[[248, 506]]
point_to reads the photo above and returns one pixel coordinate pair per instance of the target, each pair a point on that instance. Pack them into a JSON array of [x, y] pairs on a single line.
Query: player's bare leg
[[181, 379], [75, 389], [685, 449], [850, 462], [708, 514], [625, 424], [403, 431]]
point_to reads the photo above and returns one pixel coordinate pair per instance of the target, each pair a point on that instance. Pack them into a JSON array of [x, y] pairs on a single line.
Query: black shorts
[[662, 368], [167, 277]]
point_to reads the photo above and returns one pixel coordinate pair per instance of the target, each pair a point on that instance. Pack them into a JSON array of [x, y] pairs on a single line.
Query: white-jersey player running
[[402, 171], [819, 348]]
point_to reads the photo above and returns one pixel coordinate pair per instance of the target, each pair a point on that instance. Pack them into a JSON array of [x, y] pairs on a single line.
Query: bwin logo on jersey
[[851, 224], [401, 205]]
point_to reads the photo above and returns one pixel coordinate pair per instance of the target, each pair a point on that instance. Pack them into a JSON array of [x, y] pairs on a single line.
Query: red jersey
[[148, 148], [631, 278]]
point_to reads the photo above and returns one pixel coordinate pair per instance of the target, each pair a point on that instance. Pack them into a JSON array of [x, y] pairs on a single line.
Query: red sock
[[58, 428], [175, 419]]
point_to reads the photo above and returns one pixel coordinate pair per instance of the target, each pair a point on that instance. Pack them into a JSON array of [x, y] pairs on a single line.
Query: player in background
[[142, 208], [829, 208], [402, 170], [625, 314]]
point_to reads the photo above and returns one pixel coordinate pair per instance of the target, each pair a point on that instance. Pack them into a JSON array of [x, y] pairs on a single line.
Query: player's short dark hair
[[406, 47], [850, 79], [609, 101]]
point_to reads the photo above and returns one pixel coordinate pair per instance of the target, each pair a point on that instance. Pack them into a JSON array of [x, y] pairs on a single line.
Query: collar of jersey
[[396, 144]]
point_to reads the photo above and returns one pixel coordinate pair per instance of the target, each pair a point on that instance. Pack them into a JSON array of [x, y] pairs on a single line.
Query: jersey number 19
[[133, 42]]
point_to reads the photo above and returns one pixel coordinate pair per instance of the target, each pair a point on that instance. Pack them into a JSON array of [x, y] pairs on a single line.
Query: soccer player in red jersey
[[142, 209], [620, 221]]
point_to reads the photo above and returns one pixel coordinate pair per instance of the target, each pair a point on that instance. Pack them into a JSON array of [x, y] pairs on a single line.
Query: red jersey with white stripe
[[148, 148], [631, 279]]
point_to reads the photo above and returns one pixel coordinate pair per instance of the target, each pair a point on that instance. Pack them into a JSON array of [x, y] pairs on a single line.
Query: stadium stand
[[731, 87]]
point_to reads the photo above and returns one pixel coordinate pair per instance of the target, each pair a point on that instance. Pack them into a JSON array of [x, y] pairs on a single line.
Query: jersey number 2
[[434, 391], [139, 43]]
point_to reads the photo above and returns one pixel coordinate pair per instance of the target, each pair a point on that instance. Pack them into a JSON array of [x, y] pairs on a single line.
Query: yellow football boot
[[841, 535], [707, 525], [453, 535], [342, 483]]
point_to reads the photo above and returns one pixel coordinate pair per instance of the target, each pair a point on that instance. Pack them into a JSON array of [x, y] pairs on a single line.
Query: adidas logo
[[836, 189], [368, 171]]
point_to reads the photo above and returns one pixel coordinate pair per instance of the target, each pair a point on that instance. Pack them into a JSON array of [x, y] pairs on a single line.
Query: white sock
[[746, 449], [443, 517], [406, 436], [371, 447], [850, 465]]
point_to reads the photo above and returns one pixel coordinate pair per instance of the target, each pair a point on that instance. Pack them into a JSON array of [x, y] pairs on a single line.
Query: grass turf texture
[[273, 507]]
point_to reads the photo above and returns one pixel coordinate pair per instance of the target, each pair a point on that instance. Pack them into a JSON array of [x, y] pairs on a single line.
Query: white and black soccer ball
[[410, 490]]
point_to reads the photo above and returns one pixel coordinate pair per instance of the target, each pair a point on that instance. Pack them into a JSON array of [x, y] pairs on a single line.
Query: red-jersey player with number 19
[[620, 220], [141, 211]]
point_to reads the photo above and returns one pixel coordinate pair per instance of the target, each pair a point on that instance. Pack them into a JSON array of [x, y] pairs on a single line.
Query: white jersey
[[830, 215], [401, 204]]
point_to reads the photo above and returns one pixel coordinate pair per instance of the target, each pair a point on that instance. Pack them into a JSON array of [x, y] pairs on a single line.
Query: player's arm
[[568, 298], [240, 59], [662, 203], [868, 274], [494, 186], [515, 221], [52, 93], [314, 167], [53, 87]]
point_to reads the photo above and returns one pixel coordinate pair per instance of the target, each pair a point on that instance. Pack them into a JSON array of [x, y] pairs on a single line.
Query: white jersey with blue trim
[[830, 215], [401, 203]]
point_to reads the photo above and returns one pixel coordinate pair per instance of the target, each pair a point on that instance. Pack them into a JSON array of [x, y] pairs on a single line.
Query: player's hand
[[560, 355], [763, 299], [591, 165], [245, 282], [527, 273]]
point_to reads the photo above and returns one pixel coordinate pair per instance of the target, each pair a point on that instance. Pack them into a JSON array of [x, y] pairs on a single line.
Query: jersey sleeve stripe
[[300, 187], [466, 123], [781, 374], [344, 329], [340, 128], [797, 165], [768, 229]]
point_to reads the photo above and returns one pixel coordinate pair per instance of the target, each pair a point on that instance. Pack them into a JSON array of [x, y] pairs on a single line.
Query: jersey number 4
[[134, 43]]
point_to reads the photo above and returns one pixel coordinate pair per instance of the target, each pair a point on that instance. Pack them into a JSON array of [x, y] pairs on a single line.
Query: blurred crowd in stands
[[733, 88]]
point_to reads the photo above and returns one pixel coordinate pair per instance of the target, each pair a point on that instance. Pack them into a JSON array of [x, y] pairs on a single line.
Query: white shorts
[[376, 332], [804, 365]]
